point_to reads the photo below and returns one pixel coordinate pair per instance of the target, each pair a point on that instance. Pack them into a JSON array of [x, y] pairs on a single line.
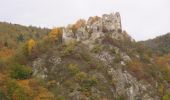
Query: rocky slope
[[92, 63]]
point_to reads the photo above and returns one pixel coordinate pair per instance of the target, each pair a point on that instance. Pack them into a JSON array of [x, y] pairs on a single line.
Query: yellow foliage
[[80, 76], [161, 90], [55, 34], [31, 44]]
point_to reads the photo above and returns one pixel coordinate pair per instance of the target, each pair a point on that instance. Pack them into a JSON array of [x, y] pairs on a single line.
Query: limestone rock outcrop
[[95, 27]]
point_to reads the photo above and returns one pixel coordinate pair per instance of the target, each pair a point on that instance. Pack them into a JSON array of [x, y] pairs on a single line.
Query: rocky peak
[[94, 28]]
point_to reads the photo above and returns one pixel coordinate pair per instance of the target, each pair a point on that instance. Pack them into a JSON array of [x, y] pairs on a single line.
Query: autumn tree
[[31, 45], [91, 20], [78, 24], [55, 35]]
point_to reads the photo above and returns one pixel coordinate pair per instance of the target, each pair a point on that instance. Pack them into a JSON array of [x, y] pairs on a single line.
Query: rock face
[[112, 80], [123, 82], [108, 24]]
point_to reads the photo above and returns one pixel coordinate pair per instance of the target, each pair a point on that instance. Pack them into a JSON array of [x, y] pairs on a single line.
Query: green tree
[[20, 38], [20, 71]]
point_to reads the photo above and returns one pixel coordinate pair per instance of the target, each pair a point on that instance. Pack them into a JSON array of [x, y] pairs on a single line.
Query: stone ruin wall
[[108, 23]]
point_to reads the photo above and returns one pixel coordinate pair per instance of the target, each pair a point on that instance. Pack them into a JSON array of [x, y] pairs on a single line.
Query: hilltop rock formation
[[96, 27], [97, 59]]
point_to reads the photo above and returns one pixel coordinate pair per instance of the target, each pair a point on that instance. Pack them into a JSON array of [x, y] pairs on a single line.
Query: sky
[[142, 19]]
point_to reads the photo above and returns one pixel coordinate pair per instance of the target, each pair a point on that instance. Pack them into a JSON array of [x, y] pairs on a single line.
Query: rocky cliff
[[96, 27], [92, 63]]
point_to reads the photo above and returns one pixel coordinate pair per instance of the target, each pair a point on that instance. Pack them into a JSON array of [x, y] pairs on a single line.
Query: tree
[[20, 71], [55, 35], [20, 38], [31, 45], [78, 24]]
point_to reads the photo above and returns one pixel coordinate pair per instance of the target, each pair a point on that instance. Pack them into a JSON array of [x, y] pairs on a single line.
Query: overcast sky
[[142, 19]]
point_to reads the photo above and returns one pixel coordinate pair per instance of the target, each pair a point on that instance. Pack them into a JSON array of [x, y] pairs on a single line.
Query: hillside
[[159, 45], [88, 60], [12, 34]]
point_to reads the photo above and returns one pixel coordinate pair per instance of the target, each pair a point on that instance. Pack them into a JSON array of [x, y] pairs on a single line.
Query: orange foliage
[[24, 83], [136, 68], [32, 88], [44, 95], [163, 61], [163, 65], [55, 34], [93, 19], [6, 53], [1, 45], [78, 24]]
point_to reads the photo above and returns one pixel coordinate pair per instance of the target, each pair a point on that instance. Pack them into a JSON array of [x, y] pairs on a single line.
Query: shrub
[[2, 96], [19, 94], [165, 72], [80, 76], [93, 81], [117, 58], [121, 97], [97, 49], [68, 50], [161, 90], [113, 51], [73, 69], [136, 67], [11, 86], [61, 97], [167, 96], [87, 84], [2, 65], [86, 57], [13, 91], [20, 71]]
